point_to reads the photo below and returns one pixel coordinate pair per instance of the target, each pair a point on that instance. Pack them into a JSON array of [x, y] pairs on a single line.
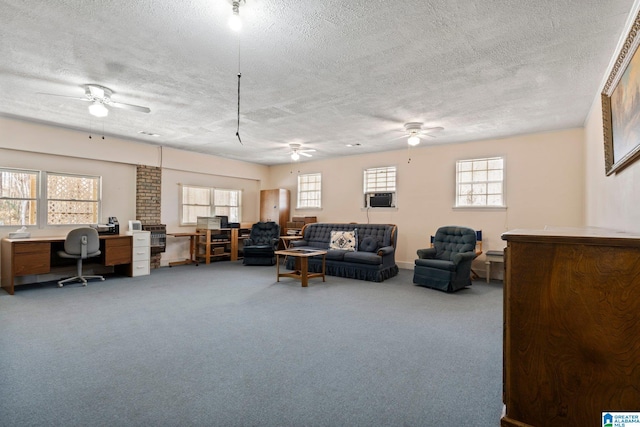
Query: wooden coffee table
[[302, 264]]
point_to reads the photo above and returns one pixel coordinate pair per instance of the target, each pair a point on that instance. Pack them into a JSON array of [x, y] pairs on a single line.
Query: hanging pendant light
[[234, 20]]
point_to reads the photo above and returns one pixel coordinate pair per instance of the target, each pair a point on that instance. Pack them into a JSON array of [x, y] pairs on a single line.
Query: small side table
[[193, 259], [286, 243], [286, 240], [492, 256], [302, 265]]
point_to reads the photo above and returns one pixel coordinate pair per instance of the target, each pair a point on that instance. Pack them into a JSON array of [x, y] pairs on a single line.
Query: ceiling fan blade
[[304, 154], [399, 137], [63, 96], [309, 150], [435, 129], [128, 107]]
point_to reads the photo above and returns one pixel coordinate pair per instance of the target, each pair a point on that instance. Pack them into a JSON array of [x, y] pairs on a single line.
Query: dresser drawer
[[141, 253]]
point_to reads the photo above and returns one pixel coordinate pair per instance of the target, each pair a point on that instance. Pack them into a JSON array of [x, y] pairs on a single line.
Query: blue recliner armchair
[[447, 265], [260, 247]]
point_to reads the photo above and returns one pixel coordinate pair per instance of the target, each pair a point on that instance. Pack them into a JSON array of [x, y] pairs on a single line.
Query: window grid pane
[[480, 182], [309, 191], [18, 197], [380, 179], [72, 199], [208, 201]]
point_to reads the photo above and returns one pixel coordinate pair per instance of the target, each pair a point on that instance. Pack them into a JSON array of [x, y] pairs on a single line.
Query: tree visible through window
[[309, 191], [18, 197], [480, 182]]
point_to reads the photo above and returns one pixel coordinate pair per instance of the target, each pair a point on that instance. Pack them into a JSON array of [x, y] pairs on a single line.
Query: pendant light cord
[[239, 75]]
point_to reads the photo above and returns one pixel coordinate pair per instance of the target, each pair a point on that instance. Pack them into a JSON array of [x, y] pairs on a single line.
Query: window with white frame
[[480, 182], [380, 186], [227, 203], [19, 197], [309, 191], [72, 199], [198, 201]]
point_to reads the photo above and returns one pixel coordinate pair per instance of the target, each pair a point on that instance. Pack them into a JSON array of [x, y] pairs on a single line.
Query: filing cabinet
[[141, 253]]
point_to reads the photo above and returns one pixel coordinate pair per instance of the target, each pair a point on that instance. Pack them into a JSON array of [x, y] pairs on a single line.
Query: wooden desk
[[193, 239], [38, 255]]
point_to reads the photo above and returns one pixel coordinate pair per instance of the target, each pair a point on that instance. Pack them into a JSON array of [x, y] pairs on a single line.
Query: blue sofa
[[372, 258]]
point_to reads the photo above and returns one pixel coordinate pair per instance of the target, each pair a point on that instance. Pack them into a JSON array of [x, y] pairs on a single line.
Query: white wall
[[118, 184], [544, 186], [611, 201], [41, 147], [178, 247]]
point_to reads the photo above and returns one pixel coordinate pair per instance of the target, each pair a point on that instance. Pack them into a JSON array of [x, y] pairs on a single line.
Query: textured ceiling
[[320, 73]]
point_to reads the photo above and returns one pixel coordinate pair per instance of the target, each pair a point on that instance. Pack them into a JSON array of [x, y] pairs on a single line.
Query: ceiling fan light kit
[[297, 151], [97, 109], [414, 130], [100, 98], [413, 140]]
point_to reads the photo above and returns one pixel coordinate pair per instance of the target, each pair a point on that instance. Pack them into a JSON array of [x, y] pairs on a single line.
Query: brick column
[[148, 187]]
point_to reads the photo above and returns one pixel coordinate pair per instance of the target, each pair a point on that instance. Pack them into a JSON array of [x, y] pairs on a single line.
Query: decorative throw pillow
[[345, 240], [369, 244]]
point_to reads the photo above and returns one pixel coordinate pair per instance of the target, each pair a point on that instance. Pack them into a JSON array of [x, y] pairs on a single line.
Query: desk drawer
[[141, 253], [140, 268], [28, 248], [34, 263], [31, 258], [117, 251], [141, 239]]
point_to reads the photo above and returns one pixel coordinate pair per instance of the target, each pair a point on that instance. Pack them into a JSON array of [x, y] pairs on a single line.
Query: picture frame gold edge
[[624, 56]]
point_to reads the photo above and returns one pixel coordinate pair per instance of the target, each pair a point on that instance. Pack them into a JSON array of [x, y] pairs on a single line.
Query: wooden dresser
[[571, 326]]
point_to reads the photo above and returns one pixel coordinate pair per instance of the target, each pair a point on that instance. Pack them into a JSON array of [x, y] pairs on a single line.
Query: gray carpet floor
[[226, 345]]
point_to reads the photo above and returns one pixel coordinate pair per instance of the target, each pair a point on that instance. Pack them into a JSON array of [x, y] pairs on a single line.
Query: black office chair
[[81, 243]]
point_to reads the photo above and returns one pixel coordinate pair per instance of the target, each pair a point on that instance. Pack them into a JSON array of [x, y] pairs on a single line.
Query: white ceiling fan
[[414, 131], [100, 98], [297, 151]]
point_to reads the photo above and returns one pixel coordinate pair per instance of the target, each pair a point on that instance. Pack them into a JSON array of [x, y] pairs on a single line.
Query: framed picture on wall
[[621, 106]]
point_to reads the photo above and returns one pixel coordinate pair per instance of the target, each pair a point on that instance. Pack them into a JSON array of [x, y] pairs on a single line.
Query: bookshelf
[[220, 244]]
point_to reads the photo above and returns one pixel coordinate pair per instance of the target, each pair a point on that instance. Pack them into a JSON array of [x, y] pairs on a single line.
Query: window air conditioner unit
[[380, 200]]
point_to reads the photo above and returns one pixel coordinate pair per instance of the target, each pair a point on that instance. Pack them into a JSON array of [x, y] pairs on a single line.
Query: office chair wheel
[[60, 285], [102, 278]]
